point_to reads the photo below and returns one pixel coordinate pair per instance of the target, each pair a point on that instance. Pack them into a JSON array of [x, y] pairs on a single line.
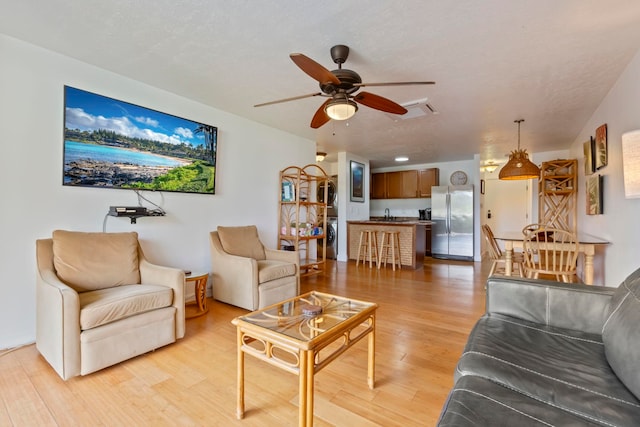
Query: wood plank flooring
[[423, 321]]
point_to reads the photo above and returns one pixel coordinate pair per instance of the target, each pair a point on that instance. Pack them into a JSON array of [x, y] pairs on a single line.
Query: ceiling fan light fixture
[[341, 108], [320, 156], [519, 166]]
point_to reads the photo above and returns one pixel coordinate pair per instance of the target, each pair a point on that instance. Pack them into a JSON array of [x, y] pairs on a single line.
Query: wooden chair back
[[550, 251], [494, 249]]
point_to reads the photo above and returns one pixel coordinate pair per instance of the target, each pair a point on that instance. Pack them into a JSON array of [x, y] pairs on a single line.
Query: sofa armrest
[[57, 316], [565, 305], [166, 276]]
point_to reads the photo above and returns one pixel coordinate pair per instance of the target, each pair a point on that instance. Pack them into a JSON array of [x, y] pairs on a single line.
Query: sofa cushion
[[271, 270], [478, 402], [621, 335], [241, 241], [91, 261], [104, 306], [560, 367]]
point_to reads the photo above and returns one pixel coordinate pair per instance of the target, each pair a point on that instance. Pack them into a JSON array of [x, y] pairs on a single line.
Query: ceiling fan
[[339, 86]]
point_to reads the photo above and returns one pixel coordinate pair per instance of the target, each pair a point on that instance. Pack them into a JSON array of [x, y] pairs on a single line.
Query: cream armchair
[[99, 301], [248, 275]]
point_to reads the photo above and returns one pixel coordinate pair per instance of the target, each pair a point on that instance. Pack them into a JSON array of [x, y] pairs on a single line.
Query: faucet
[[387, 214]]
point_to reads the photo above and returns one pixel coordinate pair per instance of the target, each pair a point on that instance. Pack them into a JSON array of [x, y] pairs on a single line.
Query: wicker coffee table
[[291, 336]]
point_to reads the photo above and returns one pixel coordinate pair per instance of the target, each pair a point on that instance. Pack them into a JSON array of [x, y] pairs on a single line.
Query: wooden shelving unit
[[302, 218], [558, 193]]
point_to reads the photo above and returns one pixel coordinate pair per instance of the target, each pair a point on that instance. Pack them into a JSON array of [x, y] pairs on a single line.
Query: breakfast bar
[[411, 233]]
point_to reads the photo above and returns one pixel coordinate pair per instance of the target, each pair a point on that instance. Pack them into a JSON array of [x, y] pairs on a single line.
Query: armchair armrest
[[57, 316], [170, 277], [286, 256], [564, 305], [280, 255]]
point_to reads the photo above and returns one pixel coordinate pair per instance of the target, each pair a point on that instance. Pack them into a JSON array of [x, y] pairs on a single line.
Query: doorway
[[506, 205]]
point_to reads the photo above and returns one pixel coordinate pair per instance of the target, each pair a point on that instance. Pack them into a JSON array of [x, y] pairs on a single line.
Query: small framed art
[[357, 182], [600, 148]]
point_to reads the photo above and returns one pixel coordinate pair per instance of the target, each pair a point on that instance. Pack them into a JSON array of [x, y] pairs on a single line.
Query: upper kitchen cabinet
[[427, 178], [402, 184], [408, 184], [379, 185]]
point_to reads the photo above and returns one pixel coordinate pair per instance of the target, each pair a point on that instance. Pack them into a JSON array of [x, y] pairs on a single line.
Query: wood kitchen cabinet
[[427, 240], [379, 185], [402, 184], [406, 184], [426, 179]]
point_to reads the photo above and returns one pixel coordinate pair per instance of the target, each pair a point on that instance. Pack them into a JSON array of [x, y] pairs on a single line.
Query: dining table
[[586, 245]]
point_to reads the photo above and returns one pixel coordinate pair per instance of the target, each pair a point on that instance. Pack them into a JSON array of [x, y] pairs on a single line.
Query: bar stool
[[368, 247], [390, 240]]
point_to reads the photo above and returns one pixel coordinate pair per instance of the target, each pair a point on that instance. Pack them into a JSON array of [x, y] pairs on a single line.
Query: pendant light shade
[[519, 166]]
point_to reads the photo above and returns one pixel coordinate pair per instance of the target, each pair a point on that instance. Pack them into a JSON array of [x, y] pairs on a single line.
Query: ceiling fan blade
[[379, 103], [394, 84], [293, 98], [315, 70], [320, 117]]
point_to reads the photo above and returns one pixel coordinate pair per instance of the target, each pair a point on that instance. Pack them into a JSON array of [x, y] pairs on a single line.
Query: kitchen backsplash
[[398, 207]]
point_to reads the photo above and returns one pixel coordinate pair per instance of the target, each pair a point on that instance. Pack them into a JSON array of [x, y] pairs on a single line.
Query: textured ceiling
[[550, 62]]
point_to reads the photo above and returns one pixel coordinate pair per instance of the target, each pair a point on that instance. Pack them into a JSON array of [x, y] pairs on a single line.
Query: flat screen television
[[114, 144]]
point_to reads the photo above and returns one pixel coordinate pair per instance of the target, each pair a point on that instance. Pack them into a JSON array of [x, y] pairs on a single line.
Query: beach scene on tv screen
[[114, 144]]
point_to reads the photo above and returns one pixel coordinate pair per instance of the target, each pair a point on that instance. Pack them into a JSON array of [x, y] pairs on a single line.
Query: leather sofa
[[550, 353]]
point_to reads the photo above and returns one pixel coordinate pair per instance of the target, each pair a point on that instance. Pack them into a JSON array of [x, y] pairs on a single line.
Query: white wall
[[34, 202], [620, 222], [348, 210]]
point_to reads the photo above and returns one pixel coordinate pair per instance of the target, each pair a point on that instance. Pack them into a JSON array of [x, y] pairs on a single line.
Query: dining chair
[[498, 257], [550, 251]]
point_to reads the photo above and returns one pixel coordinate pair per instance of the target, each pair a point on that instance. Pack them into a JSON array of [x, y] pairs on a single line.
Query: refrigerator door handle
[[448, 218]]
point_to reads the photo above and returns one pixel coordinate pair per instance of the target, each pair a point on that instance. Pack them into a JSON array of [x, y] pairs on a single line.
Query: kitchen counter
[[412, 240]]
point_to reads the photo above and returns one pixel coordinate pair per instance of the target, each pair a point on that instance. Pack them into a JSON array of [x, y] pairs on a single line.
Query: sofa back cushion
[[242, 241], [621, 334], [91, 261]]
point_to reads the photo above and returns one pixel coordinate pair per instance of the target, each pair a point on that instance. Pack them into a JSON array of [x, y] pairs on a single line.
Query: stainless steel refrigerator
[[452, 216]]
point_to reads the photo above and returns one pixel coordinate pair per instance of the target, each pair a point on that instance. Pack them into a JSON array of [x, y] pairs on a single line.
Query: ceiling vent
[[417, 108]]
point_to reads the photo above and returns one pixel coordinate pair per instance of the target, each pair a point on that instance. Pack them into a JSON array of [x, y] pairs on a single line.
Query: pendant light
[[519, 166]]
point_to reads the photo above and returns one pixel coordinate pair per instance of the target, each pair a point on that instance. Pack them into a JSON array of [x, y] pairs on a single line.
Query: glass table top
[[292, 317]]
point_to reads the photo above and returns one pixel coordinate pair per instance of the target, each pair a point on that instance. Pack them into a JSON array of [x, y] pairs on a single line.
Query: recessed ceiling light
[[402, 159]]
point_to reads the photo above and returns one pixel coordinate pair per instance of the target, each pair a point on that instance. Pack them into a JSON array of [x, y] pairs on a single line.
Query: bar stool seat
[[368, 248], [390, 242]]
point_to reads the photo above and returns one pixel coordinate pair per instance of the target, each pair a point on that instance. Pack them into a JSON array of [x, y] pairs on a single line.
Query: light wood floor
[[423, 321]]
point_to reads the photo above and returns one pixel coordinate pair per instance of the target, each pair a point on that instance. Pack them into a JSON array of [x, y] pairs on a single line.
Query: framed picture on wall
[[110, 143], [600, 150], [588, 156], [357, 182], [594, 195]]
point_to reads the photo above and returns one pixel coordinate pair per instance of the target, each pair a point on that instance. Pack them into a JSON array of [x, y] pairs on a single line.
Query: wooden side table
[[199, 306]]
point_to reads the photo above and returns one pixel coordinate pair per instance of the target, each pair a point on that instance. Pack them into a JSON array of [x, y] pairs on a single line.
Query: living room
[[250, 156]]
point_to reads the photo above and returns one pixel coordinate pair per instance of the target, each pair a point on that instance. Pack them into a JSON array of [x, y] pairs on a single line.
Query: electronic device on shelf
[[127, 210], [134, 212]]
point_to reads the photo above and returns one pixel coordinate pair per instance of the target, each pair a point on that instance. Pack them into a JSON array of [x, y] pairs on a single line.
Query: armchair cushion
[[242, 241], [104, 306], [92, 261], [271, 270]]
